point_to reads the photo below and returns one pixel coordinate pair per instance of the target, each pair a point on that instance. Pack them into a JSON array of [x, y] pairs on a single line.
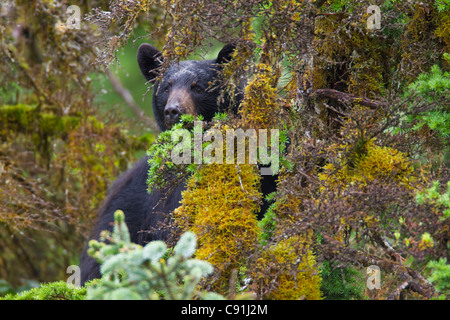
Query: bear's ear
[[149, 59], [226, 53]]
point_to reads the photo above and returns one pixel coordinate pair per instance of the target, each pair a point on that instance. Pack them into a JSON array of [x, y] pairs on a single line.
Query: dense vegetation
[[364, 114]]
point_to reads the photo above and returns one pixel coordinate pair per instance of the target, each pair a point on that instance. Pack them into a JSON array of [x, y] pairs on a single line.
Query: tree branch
[[128, 98], [386, 246], [398, 291], [346, 98]]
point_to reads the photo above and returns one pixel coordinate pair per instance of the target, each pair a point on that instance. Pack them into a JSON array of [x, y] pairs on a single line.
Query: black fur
[[142, 211]]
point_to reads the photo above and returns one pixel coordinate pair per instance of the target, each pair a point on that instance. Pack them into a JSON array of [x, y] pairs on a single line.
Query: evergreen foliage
[[340, 283], [132, 272], [440, 277], [435, 87]]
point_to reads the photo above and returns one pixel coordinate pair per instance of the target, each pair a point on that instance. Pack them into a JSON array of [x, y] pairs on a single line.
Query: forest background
[[366, 110]]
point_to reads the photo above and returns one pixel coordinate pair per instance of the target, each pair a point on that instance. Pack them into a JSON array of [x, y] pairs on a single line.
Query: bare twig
[[128, 98]]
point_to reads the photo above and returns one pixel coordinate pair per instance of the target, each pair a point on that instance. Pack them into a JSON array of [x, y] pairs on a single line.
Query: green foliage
[[442, 5], [132, 272], [432, 195], [440, 277], [64, 162], [220, 116], [432, 83], [267, 223], [160, 161], [338, 5], [432, 86], [164, 173], [59, 290], [341, 283]]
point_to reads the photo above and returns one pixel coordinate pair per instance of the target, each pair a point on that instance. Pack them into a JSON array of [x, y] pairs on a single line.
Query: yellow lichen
[[376, 163], [292, 267], [260, 104], [220, 206]]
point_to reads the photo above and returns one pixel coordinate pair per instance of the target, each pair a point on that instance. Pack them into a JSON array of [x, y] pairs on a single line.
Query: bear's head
[[185, 87]]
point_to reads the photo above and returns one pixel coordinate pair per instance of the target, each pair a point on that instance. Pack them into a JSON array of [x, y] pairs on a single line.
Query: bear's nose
[[172, 114]]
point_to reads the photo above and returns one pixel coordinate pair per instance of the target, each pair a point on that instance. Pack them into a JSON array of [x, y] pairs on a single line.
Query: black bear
[[184, 88]]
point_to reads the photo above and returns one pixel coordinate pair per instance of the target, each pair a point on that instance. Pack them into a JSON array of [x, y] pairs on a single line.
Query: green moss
[[50, 124], [23, 118], [96, 125], [16, 117], [69, 123], [59, 290]]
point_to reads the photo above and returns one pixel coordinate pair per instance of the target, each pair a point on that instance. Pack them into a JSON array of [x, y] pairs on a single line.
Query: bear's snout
[[179, 103], [172, 114]]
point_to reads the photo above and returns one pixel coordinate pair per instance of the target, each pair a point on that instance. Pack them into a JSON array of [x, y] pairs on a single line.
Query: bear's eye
[[167, 88], [196, 88]]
